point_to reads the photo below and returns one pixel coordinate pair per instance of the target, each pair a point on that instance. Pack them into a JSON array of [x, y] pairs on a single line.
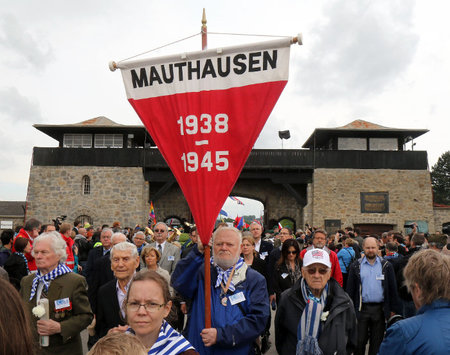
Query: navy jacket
[[426, 333], [237, 326], [391, 301]]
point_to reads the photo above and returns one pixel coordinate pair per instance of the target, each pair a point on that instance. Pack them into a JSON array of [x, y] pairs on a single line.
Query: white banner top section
[[212, 69]]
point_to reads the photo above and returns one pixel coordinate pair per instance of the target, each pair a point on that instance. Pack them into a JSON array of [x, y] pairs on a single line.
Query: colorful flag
[[223, 213], [239, 222], [234, 198], [280, 226], [194, 105], [151, 216]]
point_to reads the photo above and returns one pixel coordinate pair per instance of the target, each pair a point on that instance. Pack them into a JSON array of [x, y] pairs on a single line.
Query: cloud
[[25, 47], [358, 49], [18, 108]]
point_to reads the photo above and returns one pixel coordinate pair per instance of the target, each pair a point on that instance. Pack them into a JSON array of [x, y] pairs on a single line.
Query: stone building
[[356, 175]]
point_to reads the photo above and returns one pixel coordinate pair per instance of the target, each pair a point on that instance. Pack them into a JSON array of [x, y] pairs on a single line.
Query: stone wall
[[335, 194], [441, 216], [115, 194]]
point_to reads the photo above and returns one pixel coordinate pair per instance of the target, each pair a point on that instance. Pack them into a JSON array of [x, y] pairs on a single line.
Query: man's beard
[[371, 256], [225, 264]]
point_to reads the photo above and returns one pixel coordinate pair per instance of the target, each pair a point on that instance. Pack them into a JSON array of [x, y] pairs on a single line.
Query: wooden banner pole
[[206, 247]]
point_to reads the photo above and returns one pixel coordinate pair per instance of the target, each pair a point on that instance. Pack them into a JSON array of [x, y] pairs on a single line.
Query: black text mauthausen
[[210, 68]]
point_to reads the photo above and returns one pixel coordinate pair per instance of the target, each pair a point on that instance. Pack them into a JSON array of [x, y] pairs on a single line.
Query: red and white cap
[[316, 256]]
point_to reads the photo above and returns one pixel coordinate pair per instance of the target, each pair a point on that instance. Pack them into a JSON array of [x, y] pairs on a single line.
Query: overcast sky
[[385, 61]]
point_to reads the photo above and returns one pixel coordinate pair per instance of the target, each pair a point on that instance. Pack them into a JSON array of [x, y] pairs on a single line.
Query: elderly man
[[170, 254], [261, 246], [124, 261], [372, 287], [315, 315], [67, 297], [427, 276], [239, 303], [320, 242], [139, 241]]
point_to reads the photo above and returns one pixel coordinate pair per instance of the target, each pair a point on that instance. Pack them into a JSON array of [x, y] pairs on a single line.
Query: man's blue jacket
[[237, 326]]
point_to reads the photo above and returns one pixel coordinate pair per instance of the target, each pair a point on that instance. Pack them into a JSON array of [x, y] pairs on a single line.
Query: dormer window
[[77, 140], [108, 141]]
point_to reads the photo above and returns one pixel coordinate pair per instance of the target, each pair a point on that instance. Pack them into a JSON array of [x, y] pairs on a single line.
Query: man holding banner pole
[[239, 302]]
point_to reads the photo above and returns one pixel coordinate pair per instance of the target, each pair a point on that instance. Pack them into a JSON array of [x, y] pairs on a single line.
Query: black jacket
[[16, 267], [338, 334], [108, 310], [354, 289], [281, 280]]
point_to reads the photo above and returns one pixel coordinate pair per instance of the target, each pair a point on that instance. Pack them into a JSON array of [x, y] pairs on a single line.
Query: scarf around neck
[[224, 275], [309, 326], [60, 270]]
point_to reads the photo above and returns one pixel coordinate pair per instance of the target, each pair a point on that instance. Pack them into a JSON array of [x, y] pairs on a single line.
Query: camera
[[58, 220]]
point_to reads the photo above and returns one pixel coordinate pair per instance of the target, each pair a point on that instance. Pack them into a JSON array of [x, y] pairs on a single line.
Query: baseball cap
[[314, 256]]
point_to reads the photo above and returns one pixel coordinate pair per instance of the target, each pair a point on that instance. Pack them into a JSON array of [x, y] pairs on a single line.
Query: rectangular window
[[383, 144], [352, 143], [108, 141], [77, 140]]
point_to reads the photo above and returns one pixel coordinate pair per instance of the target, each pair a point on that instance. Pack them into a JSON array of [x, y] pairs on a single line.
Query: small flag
[[236, 200], [151, 216], [239, 222], [223, 213], [279, 226]]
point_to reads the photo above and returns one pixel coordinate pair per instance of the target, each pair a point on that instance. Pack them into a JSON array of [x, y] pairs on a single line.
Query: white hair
[[139, 233], [117, 235], [125, 246], [165, 226], [57, 243]]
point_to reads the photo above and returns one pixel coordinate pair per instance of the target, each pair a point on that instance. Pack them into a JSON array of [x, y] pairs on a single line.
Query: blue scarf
[[60, 270], [309, 326], [224, 275], [169, 341]]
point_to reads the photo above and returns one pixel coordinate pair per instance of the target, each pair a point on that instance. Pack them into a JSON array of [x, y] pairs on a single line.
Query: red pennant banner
[[205, 111]]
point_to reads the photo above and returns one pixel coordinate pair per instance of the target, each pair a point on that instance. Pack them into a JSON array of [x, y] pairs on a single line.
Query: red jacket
[[335, 267], [31, 262], [70, 261]]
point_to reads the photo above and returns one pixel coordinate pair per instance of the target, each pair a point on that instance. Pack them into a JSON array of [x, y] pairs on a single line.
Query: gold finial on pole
[[204, 31]]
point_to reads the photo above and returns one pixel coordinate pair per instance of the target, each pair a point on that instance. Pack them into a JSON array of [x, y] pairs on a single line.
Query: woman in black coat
[[16, 265], [288, 267]]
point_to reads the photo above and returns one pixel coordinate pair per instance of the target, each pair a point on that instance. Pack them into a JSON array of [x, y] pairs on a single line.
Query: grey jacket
[[338, 334]]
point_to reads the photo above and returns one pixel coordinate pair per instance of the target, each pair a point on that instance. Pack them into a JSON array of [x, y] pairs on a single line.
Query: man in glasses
[[320, 242], [315, 315], [170, 253]]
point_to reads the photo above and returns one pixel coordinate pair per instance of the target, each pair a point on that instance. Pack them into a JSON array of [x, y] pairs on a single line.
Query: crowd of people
[[142, 290]]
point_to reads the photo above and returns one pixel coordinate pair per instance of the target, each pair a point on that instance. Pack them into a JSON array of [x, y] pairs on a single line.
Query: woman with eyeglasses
[[315, 316], [287, 268], [147, 303]]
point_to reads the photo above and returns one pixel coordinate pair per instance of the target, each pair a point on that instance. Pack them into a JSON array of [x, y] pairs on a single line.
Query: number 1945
[[191, 161]]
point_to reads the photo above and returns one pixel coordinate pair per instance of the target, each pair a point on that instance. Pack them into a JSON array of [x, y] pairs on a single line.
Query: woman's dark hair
[[20, 244], [285, 248], [16, 336]]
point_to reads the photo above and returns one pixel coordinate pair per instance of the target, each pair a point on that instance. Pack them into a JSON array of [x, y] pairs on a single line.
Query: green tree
[[440, 179]]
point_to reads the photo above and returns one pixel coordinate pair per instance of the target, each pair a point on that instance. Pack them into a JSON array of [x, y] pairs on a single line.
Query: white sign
[[6, 224]]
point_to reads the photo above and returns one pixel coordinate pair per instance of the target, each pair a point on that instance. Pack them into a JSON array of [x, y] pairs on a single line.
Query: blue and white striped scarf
[[309, 326], [224, 275], [169, 341], [60, 270]]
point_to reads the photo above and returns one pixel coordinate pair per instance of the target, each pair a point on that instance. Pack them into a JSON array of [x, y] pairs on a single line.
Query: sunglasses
[[159, 230], [321, 271], [292, 252]]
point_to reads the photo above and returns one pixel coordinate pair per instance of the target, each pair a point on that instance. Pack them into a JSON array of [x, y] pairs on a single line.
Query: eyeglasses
[[321, 271], [292, 252], [150, 307], [159, 230]]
